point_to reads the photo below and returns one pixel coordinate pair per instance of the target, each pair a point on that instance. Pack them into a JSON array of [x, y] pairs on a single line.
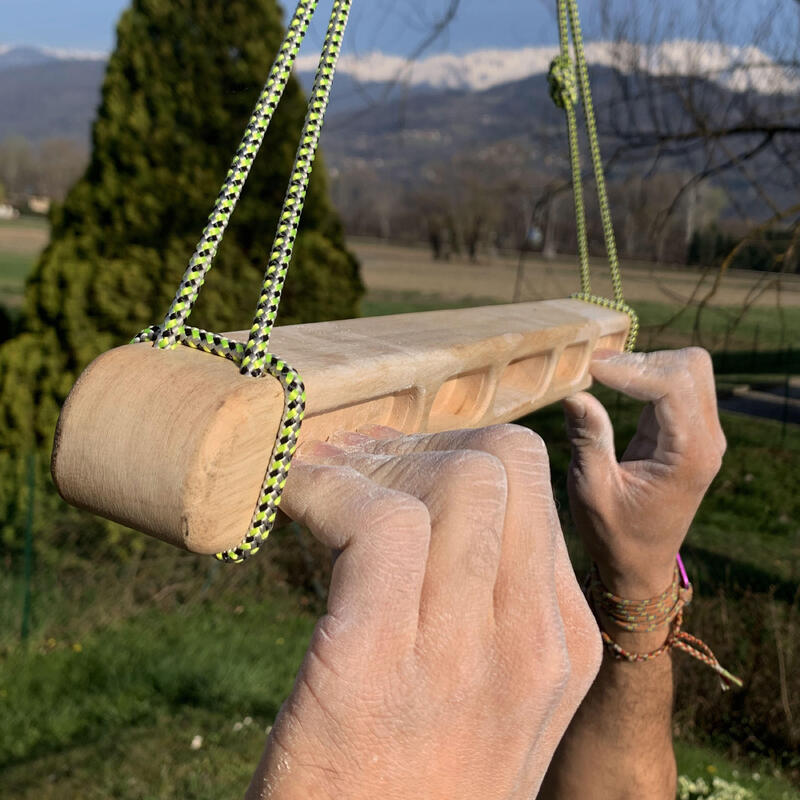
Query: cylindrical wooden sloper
[[176, 443]]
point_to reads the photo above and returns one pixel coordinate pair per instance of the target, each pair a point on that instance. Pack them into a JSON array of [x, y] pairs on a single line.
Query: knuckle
[[708, 467], [699, 361], [593, 655], [555, 669], [516, 437], [464, 469], [396, 510], [519, 448], [548, 640], [586, 645]]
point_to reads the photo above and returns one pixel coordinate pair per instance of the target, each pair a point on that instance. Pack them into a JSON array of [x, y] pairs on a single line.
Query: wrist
[[635, 641], [298, 774], [637, 619], [637, 582]]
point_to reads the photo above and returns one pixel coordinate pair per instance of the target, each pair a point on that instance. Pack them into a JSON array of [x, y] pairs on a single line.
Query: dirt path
[[396, 268], [23, 238]]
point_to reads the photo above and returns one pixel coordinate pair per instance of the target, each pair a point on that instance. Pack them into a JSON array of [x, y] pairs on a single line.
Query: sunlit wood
[[176, 443]]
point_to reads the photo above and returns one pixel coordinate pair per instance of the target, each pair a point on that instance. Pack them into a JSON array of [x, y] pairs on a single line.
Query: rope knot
[[563, 81]]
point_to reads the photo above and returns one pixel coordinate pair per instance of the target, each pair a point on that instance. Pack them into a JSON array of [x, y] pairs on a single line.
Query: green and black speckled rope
[[294, 394], [253, 358], [281, 254], [567, 81], [200, 263]]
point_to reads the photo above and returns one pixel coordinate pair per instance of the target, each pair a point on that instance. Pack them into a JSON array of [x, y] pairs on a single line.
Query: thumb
[[591, 435], [648, 377]]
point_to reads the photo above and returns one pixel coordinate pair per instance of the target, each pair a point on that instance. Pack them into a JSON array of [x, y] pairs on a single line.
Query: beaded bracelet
[[646, 616]]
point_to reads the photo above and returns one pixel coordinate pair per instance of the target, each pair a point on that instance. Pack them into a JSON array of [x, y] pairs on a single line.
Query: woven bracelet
[[646, 616]]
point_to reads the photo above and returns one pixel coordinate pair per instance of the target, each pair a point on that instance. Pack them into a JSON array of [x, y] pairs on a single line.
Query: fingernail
[[603, 354], [379, 432], [317, 449], [350, 439]]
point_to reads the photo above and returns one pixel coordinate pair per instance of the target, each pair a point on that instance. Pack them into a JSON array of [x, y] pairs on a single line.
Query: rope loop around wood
[[568, 81], [253, 358]]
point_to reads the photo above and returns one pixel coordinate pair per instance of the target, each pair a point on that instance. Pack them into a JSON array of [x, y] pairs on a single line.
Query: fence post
[[753, 357], [786, 389], [28, 557]]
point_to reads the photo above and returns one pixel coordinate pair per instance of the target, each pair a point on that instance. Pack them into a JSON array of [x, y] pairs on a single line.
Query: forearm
[[619, 744]]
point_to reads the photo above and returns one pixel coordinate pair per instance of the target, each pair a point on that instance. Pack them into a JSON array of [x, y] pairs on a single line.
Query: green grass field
[[115, 712], [14, 268], [135, 652], [130, 660], [21, 240]]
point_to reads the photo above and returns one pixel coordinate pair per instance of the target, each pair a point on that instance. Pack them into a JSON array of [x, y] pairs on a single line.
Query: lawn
[[14, 268], [130, 659], [21, 241], [177, 706], [114, 713]]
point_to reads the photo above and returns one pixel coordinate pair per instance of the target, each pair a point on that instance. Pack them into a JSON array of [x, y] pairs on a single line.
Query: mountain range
[[398, 118], [49, 92], [737, 68]]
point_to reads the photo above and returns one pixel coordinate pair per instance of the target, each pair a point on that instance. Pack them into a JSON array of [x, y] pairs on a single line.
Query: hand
[[457, 644], [634, 515]]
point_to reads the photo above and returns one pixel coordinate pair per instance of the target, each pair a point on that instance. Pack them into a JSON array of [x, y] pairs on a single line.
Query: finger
[[680, 386], [649, 377], [383, 536], [548, 623], [465, 493], [379, 432], [580, 638], [544, 604], [591, 436], [526, 562], [644, 444]]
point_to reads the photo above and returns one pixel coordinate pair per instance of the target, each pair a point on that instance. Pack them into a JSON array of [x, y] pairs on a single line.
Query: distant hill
[[29, 56], [11, 57], [44, 97]]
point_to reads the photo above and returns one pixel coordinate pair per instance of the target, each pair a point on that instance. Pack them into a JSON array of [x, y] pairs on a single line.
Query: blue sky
[[396, 26]]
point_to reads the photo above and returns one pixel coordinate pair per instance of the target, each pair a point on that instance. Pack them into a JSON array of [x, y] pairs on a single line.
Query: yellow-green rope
[[253, 358], [568, 79]]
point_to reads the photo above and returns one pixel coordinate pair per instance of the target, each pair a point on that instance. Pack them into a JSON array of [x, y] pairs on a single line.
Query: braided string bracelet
[[646, 616]]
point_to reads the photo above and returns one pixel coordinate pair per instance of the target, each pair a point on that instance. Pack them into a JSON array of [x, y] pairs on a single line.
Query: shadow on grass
[[712, 571], [757, 362]]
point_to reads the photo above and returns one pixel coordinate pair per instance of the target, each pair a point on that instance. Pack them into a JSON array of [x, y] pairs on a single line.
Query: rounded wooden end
[[172, 443]]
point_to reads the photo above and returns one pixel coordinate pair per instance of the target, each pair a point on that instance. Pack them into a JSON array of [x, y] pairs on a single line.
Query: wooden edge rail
[[175, 443]]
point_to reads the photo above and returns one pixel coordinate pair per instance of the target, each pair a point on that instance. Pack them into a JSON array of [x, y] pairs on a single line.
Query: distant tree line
[[47, 168], [479, 204]]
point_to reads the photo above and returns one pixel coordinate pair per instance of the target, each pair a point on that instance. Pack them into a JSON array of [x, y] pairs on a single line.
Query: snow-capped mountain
[[46, 92], [739, 69], [12, 56]]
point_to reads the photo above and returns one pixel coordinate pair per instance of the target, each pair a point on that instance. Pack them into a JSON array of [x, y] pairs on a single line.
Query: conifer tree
[[178, 92]]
